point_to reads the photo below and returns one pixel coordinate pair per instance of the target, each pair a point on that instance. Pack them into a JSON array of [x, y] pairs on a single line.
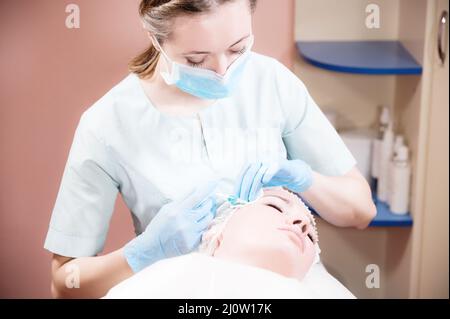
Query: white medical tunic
[[124, 144]]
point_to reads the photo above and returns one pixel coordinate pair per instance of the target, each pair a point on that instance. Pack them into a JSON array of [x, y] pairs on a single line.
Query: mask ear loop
[[155, 43], [168, 75]]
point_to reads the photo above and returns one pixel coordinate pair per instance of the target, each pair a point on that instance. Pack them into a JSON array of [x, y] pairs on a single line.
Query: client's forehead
[[281, 193]]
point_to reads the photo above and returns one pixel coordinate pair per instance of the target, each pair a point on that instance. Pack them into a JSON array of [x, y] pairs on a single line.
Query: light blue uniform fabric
[[124, 144]]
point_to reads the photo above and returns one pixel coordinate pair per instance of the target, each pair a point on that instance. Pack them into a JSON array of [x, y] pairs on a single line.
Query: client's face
[[274, 232]]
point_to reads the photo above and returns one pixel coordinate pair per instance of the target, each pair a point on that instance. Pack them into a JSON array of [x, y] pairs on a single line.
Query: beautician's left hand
[[295, 175]]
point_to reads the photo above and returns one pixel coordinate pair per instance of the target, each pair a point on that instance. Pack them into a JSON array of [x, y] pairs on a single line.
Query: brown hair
[[156, 16]]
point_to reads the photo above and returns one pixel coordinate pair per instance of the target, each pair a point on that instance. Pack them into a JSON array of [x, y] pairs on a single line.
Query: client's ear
[[219, 242]]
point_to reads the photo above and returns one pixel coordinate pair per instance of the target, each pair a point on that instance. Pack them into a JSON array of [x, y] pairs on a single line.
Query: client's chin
[[284, 258]]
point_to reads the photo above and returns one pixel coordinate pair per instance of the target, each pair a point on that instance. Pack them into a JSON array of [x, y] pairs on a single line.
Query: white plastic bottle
[[385, 157], [376, 146], [400, 181], [398, 142]]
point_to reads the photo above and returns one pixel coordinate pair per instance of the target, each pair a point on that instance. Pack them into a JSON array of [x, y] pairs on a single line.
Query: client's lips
[[297, 233]]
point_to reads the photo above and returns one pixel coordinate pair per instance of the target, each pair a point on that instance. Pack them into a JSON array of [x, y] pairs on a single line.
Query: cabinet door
[[434, 269]]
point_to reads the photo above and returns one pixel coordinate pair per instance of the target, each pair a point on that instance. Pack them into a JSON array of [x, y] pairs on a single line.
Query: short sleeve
[[307, 133], [86, 197]]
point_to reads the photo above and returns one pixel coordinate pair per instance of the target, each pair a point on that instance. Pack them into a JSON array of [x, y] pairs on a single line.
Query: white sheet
[[200, 276]]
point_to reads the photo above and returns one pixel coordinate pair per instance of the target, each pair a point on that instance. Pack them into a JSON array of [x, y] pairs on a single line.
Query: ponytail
[[144, 64]]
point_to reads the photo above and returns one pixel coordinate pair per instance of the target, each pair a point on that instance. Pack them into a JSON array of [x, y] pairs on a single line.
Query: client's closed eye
[[275, 207]]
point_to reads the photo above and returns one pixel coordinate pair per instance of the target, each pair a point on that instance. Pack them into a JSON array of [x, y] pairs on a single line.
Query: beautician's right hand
[[175, 230]]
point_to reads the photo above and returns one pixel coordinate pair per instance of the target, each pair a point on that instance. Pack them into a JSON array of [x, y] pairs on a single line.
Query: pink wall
[[50, 75]]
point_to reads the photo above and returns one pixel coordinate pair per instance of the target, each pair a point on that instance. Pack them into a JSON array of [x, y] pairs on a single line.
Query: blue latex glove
[[175, 230], [295, 175]]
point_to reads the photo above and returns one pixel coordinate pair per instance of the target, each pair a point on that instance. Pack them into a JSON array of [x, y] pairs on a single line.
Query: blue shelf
[[385, 218], [362, 57]]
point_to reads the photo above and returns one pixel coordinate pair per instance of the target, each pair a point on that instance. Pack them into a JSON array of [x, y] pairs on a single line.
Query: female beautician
[[197, 82]]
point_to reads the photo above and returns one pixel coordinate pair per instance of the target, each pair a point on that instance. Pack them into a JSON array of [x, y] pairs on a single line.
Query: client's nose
[[303, 225]]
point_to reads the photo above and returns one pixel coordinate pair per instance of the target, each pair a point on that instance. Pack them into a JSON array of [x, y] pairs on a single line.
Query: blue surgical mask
[[203, 83]]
